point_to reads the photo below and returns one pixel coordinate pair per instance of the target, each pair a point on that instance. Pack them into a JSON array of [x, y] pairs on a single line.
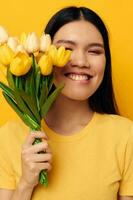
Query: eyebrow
[[94, 44]]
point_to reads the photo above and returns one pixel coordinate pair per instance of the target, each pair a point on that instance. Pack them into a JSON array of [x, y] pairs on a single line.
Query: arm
[[32, 164], [22, 192]]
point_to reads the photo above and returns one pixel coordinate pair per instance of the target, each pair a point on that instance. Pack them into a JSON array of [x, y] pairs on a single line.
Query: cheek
[[98, 65]]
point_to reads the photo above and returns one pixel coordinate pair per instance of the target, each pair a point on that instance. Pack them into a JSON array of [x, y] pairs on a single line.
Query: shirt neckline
[[65, 138]]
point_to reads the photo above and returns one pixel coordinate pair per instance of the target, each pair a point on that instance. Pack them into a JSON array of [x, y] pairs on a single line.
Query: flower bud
[[62, 56], [32, 43], [20, 48], [21, 64], [3, 35], [12, 43], [45, 42], [53, 53], [59, 56], [45, 64], [6, 54], [23, 38]]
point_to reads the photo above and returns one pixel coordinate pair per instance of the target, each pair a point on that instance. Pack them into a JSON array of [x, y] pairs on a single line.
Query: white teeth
[[77, 77]]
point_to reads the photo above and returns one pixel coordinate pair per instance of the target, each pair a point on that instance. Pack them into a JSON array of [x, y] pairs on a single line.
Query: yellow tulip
[[3, 69], [32, 43], [3, 74], [59, 56], [45, 64], [6, 54], [20, 64], [45, 42], [20, 48], [23, 38], [3, 35], [12, 43], [62, 56], [53, 53]]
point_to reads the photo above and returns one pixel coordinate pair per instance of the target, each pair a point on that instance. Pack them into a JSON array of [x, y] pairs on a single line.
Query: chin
[[75, 96]]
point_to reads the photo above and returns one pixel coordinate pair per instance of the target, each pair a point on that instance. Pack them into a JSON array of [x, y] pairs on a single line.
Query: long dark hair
[[103, 100]]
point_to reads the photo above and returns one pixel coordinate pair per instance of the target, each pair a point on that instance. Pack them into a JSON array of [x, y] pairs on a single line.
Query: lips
[[77, 73]]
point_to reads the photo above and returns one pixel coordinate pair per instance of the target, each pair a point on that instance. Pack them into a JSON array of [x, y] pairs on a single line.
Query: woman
[[89, 147]]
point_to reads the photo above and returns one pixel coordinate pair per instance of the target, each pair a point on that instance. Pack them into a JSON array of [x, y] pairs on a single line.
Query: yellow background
[[28, 15]]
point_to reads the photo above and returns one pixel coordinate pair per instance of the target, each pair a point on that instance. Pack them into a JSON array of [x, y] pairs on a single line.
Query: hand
[[33, 161]]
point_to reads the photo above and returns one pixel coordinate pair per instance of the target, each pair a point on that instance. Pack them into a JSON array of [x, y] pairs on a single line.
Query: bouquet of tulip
[[29, 62]]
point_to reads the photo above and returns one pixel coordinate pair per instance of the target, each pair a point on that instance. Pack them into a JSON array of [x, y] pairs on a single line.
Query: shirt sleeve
[[126, 184], [7, 179]]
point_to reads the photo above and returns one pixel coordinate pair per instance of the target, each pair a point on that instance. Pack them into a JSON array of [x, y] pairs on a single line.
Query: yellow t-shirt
[[96, 163]]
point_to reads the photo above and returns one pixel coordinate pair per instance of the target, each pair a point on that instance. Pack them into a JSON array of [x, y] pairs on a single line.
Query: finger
[[40, 147], [45, 166], [46, 157], [48, 150], [31, 137]]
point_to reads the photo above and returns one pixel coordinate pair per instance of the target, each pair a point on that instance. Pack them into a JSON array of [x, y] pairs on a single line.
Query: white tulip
[[3, 35], [20, 48], [12, 43], [45, 42], [32, 43]]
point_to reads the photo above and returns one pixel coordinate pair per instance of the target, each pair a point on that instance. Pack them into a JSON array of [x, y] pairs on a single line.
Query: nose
[[79, 59]]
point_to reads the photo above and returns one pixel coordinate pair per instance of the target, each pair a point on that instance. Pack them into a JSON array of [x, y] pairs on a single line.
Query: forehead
[[80, 32]]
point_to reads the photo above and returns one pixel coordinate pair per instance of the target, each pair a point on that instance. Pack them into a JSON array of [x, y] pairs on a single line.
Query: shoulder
[[115, 120], [118, 126], [13, 128], [12, 133]]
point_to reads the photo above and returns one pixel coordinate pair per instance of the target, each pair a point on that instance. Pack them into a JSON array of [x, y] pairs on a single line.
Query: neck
[[66, 114]]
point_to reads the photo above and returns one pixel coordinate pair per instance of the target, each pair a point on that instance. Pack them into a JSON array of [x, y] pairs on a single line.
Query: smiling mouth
[[78, 77]]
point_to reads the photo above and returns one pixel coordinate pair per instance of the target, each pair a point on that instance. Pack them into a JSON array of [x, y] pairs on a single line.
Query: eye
[[68, 48], [95, 52]]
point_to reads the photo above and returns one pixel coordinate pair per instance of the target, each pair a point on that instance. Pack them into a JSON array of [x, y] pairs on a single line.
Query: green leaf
[[10, 79], [28, 99], [50, 100], [30, 79], [30, 88], [34, 92], [18, 111], [44, 94], [34, 123], [7, 90], [21, 104], [27, 82], [50, 81]]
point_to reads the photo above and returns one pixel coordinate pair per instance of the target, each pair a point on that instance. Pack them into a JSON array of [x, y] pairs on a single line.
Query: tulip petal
[[53, 53], [3, 35], [45, 64], [21, 64], [6, 55], [44, 93], [23, 37]]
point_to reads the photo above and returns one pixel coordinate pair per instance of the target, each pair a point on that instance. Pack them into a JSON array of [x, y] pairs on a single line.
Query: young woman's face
[[84, 72]]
